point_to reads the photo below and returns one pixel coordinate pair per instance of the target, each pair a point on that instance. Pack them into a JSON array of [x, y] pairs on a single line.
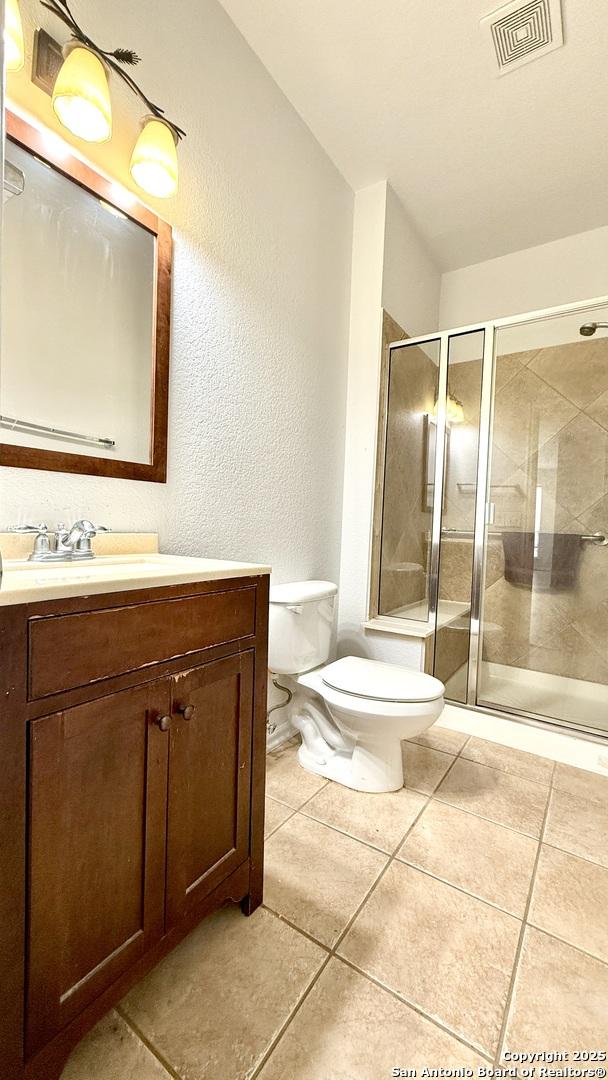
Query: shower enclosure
[[491, 530]]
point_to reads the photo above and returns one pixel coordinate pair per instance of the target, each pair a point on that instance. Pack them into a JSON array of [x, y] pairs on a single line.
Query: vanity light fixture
[[81, 100], [81, 95], [154, 158], [14, 45], [454, 412]]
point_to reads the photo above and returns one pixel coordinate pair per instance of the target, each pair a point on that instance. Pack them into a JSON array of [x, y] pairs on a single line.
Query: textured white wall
[[390, 268], [574, 268], [262, 231]]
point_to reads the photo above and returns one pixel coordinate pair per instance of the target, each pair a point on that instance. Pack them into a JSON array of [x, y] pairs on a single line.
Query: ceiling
[[407, 90]]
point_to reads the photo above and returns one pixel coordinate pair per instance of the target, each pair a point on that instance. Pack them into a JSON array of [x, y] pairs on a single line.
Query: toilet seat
[[357, 740], [375, 680], [360, 710]]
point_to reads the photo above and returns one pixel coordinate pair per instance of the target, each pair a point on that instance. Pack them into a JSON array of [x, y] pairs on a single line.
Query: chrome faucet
[[70, 545]]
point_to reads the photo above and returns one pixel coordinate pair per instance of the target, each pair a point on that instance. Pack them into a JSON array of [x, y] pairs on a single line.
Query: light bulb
[[154, 159], [14, 46], [81, 96]]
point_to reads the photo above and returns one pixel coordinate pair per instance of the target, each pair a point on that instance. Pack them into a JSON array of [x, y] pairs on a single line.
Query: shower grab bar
[[461, 485], [468, 534], [30, 428]]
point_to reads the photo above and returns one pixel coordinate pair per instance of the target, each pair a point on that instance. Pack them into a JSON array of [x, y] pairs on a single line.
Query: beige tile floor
[[441, 925]]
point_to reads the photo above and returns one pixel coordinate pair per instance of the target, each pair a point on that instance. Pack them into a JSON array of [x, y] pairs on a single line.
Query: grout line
[[459, 888], [436, 749], [343, 832], [149, 1045], [295, 809], [283, 822], [277, 827], [281, 801], [390, 860], [483, 817], [464, 745], [332, 953], [274, 799], [518, 950], [415, 1008], [564, 941], [566, 398], [426, 795], [305, 933], [387, 852], [274, 1042], [507, 772], [575, 855], [578, 794], [315, 793]]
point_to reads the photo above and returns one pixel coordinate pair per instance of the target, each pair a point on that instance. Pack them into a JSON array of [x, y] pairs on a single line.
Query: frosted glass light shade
[[81, 96], [14, 48], [154, 159], [454, 411]]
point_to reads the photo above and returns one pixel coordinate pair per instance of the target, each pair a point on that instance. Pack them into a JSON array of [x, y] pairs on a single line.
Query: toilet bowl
[[357, 711]]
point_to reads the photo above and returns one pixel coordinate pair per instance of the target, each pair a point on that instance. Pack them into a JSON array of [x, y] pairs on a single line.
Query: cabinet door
[[209, 779], [98, 776]]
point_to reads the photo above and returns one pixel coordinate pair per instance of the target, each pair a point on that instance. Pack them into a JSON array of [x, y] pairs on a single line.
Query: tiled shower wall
[[550, 433]]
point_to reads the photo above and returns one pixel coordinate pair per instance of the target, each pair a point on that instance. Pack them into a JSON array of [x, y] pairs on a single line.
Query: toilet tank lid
[[379, 681], [301, 592]]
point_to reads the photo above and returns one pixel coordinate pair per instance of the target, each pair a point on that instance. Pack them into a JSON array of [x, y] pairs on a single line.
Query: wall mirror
[[86, 295]]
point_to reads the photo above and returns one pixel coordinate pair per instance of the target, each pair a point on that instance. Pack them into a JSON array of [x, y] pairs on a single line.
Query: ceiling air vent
[[524, 32]]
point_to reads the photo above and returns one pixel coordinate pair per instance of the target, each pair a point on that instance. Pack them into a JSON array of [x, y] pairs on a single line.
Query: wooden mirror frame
[[25, 457]]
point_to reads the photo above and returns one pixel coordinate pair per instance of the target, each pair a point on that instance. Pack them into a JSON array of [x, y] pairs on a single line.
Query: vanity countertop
[[26, 582]]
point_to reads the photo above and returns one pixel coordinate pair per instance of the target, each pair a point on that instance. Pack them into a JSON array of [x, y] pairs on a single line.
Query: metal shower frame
[[482, 493]]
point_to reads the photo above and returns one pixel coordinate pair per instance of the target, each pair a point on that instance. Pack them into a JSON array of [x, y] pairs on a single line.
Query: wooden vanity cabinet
[[96, 856], [141, 794], [209, 780]]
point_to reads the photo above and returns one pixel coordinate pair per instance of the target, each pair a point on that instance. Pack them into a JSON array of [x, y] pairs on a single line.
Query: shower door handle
[[490, 513]]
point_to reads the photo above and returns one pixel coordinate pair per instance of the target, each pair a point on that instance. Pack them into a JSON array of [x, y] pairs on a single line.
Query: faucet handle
[[88, 532], [42, 544], [42, 528], [89, 529]]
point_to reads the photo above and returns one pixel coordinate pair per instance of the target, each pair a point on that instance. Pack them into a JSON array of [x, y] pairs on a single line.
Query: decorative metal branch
[[114, 59]]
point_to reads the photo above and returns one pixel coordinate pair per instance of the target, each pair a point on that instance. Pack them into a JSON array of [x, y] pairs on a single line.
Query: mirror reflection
[[78, 317]]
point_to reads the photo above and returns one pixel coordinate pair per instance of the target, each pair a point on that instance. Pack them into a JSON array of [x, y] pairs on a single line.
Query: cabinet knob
[[187, 711], [164, 723]]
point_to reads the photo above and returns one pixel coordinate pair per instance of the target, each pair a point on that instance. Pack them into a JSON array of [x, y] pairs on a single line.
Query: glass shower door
[[452, 660], [404, 571], [544, 625]]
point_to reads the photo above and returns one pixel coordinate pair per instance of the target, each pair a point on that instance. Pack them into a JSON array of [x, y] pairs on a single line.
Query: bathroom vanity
[[132, 743]]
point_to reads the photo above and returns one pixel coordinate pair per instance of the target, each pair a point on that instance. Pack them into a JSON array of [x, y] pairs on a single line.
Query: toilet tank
[[300, 625]]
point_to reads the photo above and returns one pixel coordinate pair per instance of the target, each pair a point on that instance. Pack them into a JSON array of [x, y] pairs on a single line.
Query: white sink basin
[[28, 582]]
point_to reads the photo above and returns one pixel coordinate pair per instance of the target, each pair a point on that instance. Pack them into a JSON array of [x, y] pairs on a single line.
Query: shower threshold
[[573, 702]]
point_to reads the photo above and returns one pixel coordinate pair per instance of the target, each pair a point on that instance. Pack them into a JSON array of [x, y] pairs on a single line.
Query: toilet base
[[371, 766]]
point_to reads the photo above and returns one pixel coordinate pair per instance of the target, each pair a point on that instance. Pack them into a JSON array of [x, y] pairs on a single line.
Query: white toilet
[[353, 733]]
